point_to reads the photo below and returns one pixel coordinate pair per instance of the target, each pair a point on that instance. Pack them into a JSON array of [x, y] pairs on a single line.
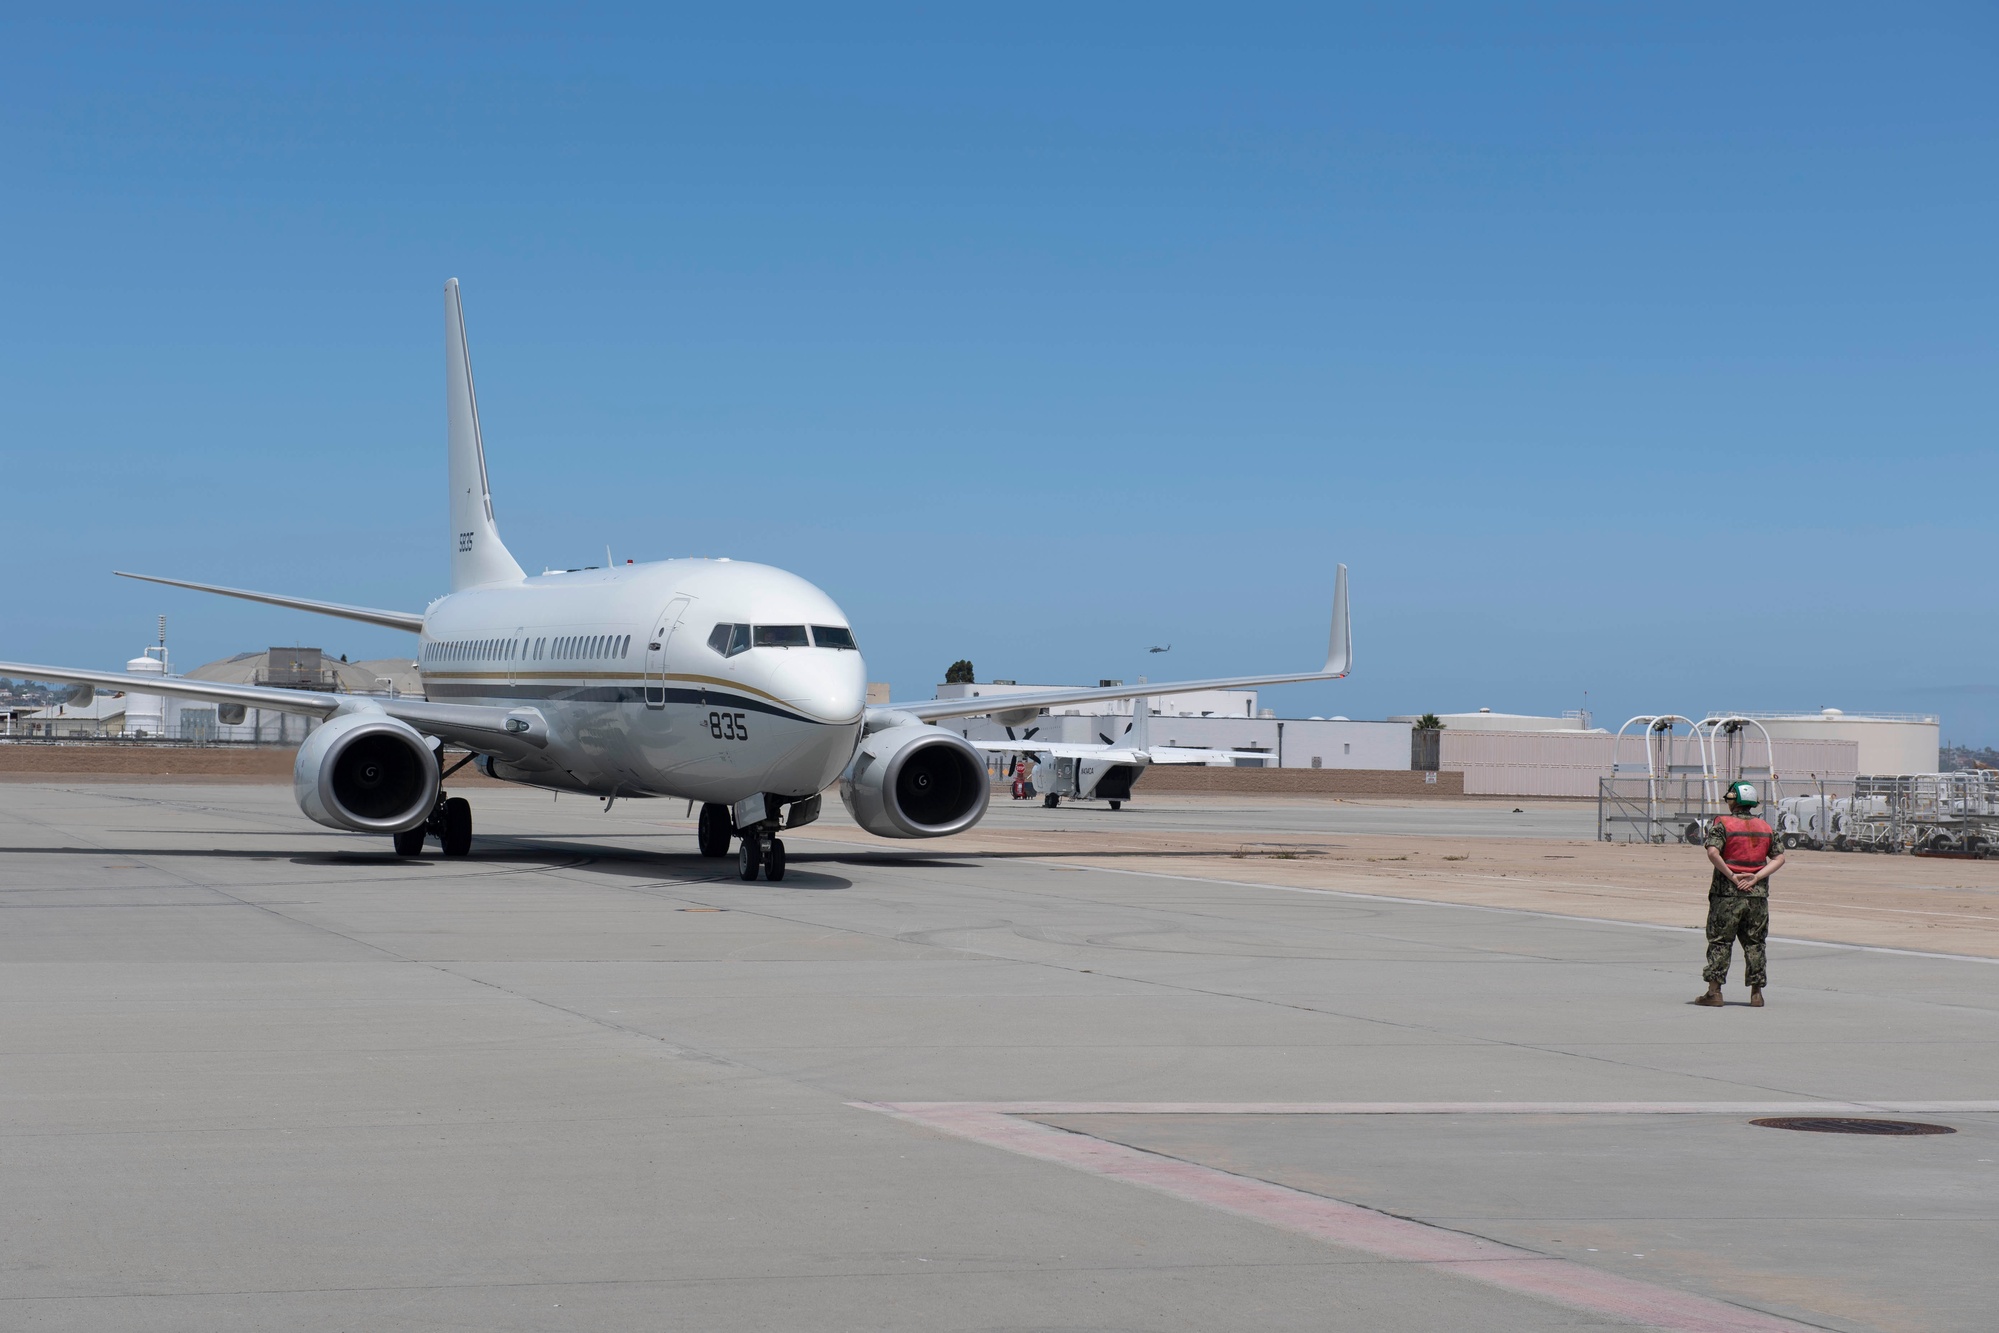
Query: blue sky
[[1642, 351]]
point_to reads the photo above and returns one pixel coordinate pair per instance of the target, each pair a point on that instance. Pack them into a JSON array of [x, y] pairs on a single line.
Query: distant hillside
[[1955, 757]]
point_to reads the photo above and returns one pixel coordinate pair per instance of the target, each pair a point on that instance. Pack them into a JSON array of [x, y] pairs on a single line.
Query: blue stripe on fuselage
[[613, 694]]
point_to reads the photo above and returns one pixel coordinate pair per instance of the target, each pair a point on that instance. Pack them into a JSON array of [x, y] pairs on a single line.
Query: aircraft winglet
[[1339, 650], [1339, 661]]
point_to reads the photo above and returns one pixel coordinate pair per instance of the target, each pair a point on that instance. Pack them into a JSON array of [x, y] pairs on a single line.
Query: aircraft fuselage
[[641, 696]]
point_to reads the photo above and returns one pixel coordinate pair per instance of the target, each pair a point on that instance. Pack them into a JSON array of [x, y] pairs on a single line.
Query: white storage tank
[[1889, 742], [146, 714]]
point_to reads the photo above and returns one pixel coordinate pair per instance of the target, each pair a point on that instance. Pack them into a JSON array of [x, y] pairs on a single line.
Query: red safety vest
[[1747, 846]]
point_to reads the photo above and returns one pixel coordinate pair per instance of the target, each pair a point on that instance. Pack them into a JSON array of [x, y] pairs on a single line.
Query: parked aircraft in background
[[1106, 772], [733, 684]]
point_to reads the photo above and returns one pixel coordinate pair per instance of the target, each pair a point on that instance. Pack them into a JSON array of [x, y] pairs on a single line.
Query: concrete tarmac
[[255, 1074]]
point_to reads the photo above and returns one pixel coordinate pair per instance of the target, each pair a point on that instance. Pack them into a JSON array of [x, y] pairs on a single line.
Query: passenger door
[[662, 635]]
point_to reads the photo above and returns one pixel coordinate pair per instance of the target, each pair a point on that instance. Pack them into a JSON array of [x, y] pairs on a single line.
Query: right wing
[[1183, 754], [1122, 754], [365, 614], [1339, 660], [1059, 750], [512, 733]]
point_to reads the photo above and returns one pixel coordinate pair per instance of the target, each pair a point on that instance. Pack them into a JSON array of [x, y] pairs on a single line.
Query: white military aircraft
[[1106, 772], [729, 683]]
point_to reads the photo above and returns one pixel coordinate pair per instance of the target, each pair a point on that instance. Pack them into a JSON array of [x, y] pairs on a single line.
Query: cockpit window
[[780, 636], [729, 640], [832, 636]]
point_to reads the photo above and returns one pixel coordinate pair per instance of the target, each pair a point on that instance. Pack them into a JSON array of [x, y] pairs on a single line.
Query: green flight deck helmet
[[1742, 794]]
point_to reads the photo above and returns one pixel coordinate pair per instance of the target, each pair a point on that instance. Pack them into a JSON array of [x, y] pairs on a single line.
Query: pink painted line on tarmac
[[1795, 1107], [1494, 1263]]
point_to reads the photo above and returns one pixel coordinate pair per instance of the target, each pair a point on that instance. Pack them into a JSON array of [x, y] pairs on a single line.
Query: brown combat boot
[[1712, 999], [1755, 997]]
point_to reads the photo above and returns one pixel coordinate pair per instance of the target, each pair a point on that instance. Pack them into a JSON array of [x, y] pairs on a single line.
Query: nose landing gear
[[761, 853]]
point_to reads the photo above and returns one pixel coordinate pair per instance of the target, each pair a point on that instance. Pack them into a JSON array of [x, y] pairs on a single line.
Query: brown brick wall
[[1298, 781], [230, 763]]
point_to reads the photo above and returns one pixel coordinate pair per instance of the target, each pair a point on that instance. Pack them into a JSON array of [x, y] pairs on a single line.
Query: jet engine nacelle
[[915, 781], [367, 773]]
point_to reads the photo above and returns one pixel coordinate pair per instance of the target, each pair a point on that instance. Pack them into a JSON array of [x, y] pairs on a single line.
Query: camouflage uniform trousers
[[1732, 917]]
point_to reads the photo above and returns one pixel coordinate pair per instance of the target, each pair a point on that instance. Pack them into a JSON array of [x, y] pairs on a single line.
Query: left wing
[[303, 702], [1339, 660], [509, 732]]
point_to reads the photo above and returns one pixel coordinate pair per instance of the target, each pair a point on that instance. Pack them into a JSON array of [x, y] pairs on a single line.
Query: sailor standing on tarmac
[[1739, 846]]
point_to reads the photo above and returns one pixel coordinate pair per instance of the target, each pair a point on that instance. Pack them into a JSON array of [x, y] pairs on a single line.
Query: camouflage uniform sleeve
[[1717, 837]]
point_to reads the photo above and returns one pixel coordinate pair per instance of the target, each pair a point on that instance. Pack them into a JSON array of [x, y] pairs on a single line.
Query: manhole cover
[[1822, 1124]]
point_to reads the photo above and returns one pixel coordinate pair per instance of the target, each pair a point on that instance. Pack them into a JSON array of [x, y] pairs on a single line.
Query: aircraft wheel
[[774, 860], [1051, 800], [1117, 805], [410, 842], [751, 859], [712, 834], [456, 834]]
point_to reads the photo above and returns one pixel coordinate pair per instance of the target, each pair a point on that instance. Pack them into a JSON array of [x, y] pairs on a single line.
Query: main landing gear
[[450, 823], [712, 834]]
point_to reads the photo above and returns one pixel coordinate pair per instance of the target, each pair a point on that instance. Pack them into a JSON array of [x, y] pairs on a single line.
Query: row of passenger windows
[[729, 640], [560, 648]]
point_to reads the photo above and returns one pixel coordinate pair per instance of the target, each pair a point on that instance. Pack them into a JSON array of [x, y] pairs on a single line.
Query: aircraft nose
[[830, 685]]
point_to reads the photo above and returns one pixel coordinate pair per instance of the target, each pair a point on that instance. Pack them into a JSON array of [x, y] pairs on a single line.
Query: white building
[[102, 716], [290, 668], [1487, 720]]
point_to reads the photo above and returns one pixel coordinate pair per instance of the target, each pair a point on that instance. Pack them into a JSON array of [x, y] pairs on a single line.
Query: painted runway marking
[[1350, 1226]]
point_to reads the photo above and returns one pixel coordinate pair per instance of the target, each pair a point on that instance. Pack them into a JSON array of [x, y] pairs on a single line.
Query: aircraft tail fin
[[1140, 735], [478, 556]]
